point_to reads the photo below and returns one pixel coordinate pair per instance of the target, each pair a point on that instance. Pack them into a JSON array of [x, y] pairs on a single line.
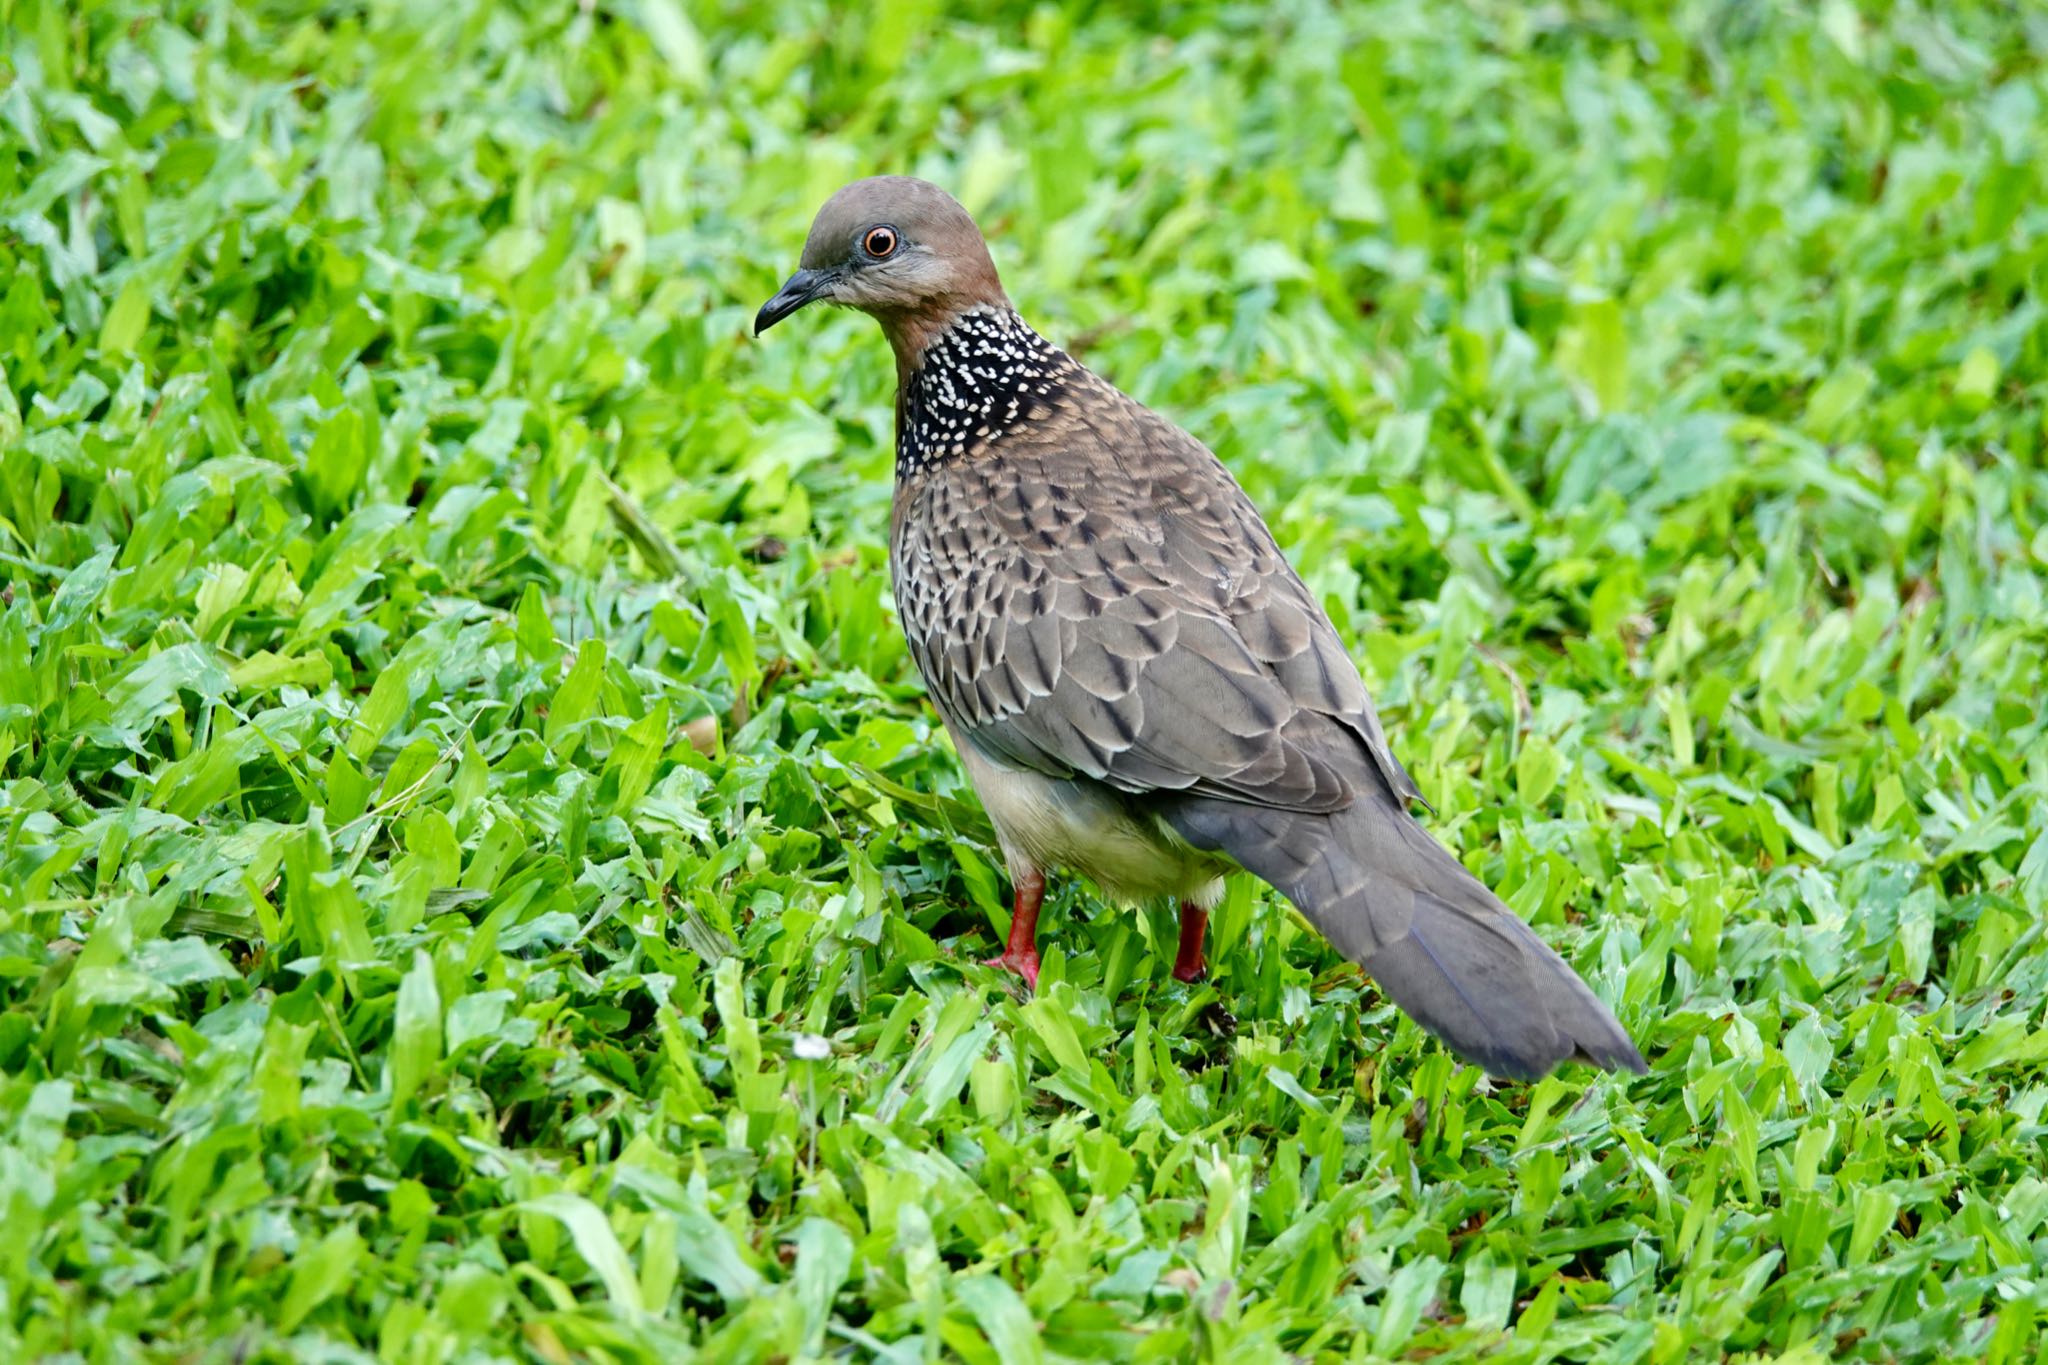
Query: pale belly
[[1046, 824]]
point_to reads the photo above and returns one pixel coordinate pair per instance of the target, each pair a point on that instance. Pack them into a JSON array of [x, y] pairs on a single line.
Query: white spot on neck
[[969, 386]]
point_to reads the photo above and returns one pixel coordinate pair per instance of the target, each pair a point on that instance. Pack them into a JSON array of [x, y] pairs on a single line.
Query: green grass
[[391, 501]]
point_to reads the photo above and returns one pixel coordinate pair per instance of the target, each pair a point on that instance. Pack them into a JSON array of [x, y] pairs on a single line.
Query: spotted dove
[[1140, 687]]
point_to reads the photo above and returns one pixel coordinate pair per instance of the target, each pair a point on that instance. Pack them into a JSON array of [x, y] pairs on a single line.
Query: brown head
[[899, 249]]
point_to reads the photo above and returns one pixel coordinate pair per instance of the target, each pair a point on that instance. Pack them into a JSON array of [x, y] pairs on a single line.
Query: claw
[[1023, 964]]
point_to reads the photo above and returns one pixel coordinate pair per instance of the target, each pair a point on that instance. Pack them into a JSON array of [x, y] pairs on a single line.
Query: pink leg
[[1021, 956], [1188, 964]]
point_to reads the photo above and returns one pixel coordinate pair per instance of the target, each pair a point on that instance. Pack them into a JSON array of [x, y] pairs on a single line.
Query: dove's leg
[[1188, 964], [1021, 956]]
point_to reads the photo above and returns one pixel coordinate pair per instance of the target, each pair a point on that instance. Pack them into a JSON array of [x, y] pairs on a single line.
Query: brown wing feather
[[1098, 597]]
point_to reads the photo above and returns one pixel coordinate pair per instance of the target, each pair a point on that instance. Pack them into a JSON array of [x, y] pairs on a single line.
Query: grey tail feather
[[1394, 900]]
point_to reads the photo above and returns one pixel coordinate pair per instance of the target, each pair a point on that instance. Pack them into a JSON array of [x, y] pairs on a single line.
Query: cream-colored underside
[[1046, 824]]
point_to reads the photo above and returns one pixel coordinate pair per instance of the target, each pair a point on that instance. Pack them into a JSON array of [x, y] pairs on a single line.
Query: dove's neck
[[973, 383]]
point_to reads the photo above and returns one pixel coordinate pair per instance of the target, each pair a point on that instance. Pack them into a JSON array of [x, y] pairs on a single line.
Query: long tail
[[1394, 900]]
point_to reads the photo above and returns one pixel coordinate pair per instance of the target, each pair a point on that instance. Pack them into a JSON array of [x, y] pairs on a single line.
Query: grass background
[[478, 880]]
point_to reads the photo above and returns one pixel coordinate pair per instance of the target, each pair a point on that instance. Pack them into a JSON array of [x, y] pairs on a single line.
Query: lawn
[[479, 879]]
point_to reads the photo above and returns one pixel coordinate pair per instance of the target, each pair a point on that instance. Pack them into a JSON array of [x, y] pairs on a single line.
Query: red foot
[[1021, 954], [1023, 964], [1189, 964]]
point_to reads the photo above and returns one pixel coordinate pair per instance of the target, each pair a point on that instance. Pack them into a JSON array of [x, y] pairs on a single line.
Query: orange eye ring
[[880, 242]]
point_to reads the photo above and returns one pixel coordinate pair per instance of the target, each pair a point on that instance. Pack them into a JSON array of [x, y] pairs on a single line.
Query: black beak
[[803, 286]]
